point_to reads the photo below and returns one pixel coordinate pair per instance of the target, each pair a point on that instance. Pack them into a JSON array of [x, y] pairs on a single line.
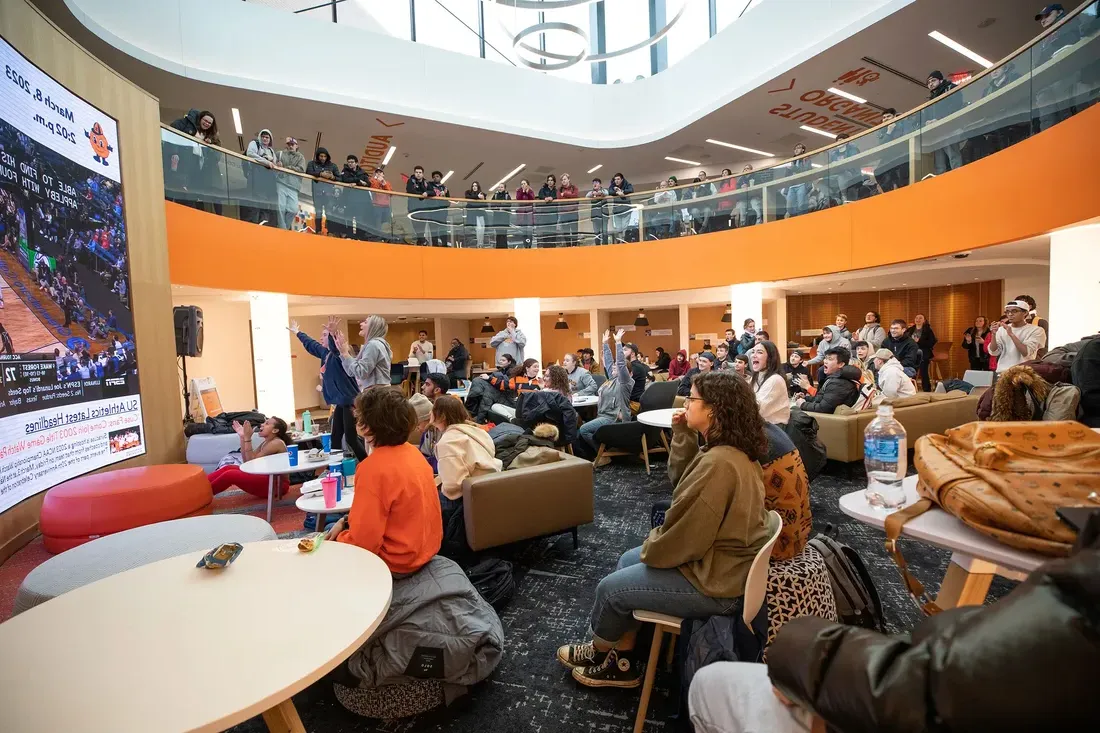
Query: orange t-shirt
[[395, 511]]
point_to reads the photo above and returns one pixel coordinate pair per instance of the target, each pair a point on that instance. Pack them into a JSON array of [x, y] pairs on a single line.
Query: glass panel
[[691, 30], [627, 23], [252, 185], [1066, 71], [448, 24], [501, 25], [194, 174]]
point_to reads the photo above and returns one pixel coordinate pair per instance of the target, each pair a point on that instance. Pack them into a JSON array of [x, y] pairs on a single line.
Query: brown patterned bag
[[1006, 479]]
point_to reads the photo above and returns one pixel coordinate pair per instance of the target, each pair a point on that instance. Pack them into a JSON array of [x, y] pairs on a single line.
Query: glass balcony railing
[[1054, 78]]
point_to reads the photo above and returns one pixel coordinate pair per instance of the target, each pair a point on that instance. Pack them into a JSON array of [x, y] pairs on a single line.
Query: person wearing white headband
[[1017, 341]]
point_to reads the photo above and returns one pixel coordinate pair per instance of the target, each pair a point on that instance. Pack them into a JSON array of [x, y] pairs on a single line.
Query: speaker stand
[[187, 419]]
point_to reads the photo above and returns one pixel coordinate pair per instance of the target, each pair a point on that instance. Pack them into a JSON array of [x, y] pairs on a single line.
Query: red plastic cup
[[328, 491]]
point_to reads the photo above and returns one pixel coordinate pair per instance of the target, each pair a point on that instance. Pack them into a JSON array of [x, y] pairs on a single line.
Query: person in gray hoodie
[[831, 338], [614, 396], [288, 184], [371, 366], [584, 384], [510, 341], [872, 331], [261, 180]]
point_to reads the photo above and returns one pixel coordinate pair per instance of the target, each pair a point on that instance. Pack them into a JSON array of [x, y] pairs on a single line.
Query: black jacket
[[315, 167], [640, 372], [927, 341], [189, 123], [548, 406], [358, 175], [457, 358], [685, 382], [664, 361], [905, 349], [841, 388], [975, 350], [953, 104], [501, 213], [417, 187], [1025, 663]]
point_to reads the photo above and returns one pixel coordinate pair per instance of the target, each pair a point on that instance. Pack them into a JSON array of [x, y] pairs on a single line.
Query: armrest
[[527, 502]]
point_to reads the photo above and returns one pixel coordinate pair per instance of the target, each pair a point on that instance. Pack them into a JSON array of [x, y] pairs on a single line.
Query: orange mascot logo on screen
[[99, 144]]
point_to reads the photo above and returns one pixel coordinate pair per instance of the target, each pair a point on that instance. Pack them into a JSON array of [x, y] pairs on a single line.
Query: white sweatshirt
[[461, 452], [775, 403]]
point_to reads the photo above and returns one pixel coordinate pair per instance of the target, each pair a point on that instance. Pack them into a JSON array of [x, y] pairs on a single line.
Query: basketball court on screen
[[28, 333]]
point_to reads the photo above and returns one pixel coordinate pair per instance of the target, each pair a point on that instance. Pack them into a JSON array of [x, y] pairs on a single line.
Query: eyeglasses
[[689, 399]]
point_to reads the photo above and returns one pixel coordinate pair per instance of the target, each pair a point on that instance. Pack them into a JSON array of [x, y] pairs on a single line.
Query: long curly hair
[[559, 379], [736, 417]]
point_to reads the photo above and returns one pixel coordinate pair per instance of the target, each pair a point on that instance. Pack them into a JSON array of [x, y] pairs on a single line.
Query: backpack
[[857, 601], [802, 430], [492, 577], [1085, 374]]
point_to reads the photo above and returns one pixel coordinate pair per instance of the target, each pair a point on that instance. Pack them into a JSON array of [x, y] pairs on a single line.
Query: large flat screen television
[[69, 397]]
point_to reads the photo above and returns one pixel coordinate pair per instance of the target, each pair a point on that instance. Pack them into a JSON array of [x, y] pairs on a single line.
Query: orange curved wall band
[[1046, 182]]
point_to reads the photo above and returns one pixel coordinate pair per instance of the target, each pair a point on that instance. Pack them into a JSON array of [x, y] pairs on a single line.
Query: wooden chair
[[633, 438], [756, 587]]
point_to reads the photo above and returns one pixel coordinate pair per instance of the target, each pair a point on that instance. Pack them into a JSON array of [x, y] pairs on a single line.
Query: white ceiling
[[993, 28]]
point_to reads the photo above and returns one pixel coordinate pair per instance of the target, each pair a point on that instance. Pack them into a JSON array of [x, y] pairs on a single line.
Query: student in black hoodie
[[903, 347], [618, 205], [839, 384], [354, 206], [546, 213], [417, 185], [501, 216], [475, 216], [925, 339], [438, 217], [949, 157], [324, 194]]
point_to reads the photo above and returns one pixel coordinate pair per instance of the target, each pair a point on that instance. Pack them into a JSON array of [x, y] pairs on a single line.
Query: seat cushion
[[116, 553], [208, 449], [104, 503]]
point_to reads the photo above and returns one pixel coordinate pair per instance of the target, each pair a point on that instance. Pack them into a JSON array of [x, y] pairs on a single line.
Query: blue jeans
[[636, 586], [587, 431]]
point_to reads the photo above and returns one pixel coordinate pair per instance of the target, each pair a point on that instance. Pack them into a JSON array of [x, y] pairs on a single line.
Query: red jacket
[[728, 186], [525, 215], [676, 368], [568, 192], [381, 199]]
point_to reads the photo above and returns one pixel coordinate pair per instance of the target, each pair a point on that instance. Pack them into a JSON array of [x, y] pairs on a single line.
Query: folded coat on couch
[[435, 608]]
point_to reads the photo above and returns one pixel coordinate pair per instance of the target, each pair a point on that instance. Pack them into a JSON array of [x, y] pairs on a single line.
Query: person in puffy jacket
[[618, 205], [892, 382], [546, 213], [501, 216], [549, 406], [324, 194], [949, 157], [1024, 663], [338, 387], [839, 383], [903, 347]]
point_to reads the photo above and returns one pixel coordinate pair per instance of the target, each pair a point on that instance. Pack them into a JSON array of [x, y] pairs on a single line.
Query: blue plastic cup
[[326, 443], [292, 454], [348, 467]]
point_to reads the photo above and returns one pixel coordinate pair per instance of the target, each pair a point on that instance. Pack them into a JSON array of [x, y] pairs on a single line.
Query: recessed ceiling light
[[829, 135], [681, 160], [740, 147], [956, 46], [595, 168], [846, 95], [514, 171], [389, 154], [237, 121], [449, 174]]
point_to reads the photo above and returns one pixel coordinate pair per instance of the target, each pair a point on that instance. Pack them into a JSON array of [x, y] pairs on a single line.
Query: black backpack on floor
[[857, 601], [492, 577]]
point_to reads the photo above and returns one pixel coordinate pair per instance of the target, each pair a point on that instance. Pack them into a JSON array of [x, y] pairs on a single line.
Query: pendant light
[[727, 317], [641, 320], [561, 325], [488, 327]]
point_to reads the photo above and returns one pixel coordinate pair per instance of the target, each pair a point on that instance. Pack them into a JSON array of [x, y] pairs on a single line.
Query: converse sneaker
[[616, 670], [580, 655]]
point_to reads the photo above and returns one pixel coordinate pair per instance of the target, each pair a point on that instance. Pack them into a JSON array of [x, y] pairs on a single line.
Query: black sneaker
[[616, 670], [576, 656]]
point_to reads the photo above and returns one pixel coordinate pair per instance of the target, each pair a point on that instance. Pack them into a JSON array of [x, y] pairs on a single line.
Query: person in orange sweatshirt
[[395, 512]]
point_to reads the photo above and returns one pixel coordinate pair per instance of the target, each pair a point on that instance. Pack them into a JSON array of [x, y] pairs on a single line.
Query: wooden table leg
[[270, 495], [320, 526], [283, 718], [961, 587]]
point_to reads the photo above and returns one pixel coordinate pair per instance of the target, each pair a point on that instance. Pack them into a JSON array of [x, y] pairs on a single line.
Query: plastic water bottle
[[885, 458], [307, 423]]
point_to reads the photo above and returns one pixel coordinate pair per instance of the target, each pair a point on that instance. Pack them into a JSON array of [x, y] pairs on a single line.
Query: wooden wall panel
[[556, 344], [660, 319], [707, 319], [950, 309], [138, 116]]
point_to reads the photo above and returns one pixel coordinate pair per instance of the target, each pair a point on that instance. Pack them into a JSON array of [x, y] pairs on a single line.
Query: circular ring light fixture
[[560, 61]]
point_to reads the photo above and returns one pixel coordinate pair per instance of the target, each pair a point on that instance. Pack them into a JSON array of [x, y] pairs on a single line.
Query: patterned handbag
[[1004, 479]]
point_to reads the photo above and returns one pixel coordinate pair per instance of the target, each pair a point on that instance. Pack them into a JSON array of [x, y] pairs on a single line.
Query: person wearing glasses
[[696, 563]]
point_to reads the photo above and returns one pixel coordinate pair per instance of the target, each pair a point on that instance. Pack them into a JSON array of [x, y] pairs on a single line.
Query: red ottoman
[[104, 503]]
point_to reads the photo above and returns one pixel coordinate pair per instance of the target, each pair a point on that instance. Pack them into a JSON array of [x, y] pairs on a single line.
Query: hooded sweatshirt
[[371, 365], [463, 451], [838, 340], [259, 151], [614, 394], [873, 333], [582, 383], [892, 381], [336, 386], [316, 167], [679, 368]]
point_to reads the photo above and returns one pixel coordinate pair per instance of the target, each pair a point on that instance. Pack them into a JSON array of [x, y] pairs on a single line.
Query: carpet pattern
[[531, 691]]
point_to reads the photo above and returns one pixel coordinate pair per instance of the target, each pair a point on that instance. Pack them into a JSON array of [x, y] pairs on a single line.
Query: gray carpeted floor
[[530, 691]]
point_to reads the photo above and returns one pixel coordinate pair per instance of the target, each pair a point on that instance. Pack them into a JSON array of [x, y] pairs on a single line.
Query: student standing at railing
[[475, 215], [659, 220], [949, 157], [703, 213], [546, 214], [380, 224], [893, 170], [598, 194], [417, 185], [287, 184], [567, 213], [797, 193], [747, 202], [440, 231], [354, 205], [261, 182], [502, 216], [525, 214], [620, 209], [848, 180], [723, 220], [324, 202]]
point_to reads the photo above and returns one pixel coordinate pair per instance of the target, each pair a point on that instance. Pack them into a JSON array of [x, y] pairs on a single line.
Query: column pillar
[[271, 365], [747, 301], [685, 329], [1074, 310], [528, 311]]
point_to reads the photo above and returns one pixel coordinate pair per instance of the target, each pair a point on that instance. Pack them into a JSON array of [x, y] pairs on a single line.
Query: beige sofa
[[922, 414], [523, 503]]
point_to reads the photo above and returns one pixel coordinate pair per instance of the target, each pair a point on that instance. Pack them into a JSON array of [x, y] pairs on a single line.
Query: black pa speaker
[[188, 322]]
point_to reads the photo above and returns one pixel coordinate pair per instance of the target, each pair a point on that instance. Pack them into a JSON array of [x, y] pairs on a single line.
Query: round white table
[[312, 501], [170, 647], [459, 393], [658, 418], [586, 400], [306, 437], [975, 557], [279, 465]]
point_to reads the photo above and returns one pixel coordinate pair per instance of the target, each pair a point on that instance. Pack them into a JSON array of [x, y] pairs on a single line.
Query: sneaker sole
[[589, 682], [569, 665]]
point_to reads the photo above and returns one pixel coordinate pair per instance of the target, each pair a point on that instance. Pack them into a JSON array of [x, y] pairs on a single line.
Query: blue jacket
[[337, 387]]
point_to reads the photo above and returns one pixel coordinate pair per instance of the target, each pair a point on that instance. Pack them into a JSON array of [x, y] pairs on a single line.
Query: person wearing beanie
[[949, 157], [423, 435], [892, 381], [704, 364]]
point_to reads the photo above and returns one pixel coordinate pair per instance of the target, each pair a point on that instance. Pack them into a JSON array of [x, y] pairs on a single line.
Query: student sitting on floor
[[395, 509], [696, 563], [275, 437]]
